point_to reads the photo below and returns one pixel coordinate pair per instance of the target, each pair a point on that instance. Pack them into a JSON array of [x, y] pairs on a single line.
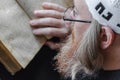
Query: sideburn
[[88, 53]]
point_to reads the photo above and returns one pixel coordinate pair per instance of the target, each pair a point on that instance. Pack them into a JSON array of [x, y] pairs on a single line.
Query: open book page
[[30, 5], [18, 45], [16, 34]]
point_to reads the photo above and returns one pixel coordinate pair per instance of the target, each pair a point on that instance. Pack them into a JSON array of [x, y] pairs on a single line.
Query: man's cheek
[[79, 31]]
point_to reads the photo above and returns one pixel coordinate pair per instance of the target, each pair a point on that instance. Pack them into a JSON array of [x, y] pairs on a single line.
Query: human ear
[[106, 37]]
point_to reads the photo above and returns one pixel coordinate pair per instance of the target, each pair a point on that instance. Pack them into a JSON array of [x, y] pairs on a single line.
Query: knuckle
[[56, 13], [54, 21]]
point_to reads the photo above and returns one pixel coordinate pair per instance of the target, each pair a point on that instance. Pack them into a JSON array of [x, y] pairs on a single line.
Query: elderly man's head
[[95, 39]]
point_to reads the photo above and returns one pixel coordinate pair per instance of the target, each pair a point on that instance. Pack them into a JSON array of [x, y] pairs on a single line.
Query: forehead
[[80, 4], [82, 8]]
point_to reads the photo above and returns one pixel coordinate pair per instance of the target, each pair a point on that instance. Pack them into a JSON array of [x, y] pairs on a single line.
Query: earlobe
[[106, 37]]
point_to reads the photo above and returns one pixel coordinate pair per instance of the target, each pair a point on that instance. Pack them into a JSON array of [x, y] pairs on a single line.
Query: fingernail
[[34, 31], [35, 12], [32, 22]]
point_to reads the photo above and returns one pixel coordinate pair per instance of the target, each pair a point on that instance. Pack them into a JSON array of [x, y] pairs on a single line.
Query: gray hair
[[87, 56]]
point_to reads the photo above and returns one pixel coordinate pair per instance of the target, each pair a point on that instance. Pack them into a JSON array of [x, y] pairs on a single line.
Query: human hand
[[49, 22]]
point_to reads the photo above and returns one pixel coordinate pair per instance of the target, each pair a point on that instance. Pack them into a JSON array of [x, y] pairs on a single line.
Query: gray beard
[[65, 56]]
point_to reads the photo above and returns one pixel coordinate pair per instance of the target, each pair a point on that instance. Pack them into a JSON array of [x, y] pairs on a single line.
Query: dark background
[[40, 68]]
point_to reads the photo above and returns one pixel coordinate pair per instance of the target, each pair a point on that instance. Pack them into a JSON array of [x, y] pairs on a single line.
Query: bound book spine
[[8, 60]]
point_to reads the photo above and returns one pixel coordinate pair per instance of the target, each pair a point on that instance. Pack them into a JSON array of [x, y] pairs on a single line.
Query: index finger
[[53, 6]]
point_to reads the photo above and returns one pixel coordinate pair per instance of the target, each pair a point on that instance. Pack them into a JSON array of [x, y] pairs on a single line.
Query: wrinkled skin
[[49, 22]]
